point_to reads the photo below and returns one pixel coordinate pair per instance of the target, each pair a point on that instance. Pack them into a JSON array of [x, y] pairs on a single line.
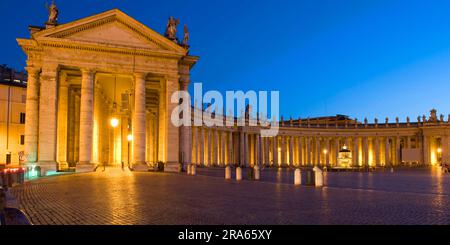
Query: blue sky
[[362, 58]]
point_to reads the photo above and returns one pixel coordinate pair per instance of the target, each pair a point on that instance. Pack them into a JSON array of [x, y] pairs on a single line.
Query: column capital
[[87, 71], [31, 70], [140, 75]]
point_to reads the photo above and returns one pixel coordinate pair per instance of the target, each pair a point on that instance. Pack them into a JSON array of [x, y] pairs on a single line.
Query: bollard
[[257, 173], [193, 170], [188, 169], [238, 173], [297, 177], [227, 172], [318, 177]]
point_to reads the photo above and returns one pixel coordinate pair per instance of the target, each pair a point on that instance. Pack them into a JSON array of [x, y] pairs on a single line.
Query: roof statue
[[186, 37], [171, 30], [53, 13]]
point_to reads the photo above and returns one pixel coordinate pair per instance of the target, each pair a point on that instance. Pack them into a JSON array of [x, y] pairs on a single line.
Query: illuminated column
[[386, 152], [62, 121], [258, 150], [355, 152], [246, 151], [327, 151], [283, 151], [336, 152], [241, 149], [397, 150], [195, 145], [47, 119], [291, 151], [202, 146], [86, 120], [223, 153], [139, 123], [318, 152], [32, 115], [230, 148], [185, 135], [377, 151], [300, 151], [366, 151], [215, 161], [426, 150], [275, 151], [209, 147], [308, 151]]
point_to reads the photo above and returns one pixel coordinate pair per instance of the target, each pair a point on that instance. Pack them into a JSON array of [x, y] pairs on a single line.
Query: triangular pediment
[[111, 28]]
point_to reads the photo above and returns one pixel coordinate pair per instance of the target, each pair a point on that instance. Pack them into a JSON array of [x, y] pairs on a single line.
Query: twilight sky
[[363, 58]]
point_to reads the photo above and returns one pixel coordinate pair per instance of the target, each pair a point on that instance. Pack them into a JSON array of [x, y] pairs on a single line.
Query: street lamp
[[114, 122]]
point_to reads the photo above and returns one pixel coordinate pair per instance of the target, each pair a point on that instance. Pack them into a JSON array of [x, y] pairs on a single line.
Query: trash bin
[[310, 178]]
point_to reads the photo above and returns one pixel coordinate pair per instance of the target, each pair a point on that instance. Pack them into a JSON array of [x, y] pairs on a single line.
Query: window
[[22, 118], [22, 139]]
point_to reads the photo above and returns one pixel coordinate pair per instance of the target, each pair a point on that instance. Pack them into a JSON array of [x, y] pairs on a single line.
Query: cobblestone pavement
[[116, 197]]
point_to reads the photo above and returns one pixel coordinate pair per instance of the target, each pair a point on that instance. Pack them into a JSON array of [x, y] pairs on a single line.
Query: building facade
[[12, 115], [99, 93]]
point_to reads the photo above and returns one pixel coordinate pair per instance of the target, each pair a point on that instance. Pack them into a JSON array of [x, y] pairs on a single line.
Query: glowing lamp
[[130, 137], [114, 122], [439, 150]]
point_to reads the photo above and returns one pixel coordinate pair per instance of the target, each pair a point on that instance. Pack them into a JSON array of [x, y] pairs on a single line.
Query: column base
[[85, 168], [140, 167], [46, 168], [172, 167], [63, 166]]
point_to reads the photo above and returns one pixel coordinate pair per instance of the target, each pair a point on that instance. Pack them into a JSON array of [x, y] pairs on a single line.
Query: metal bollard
[[318, 177], [297, 177], [238, 173], [257, 174], [193, 170], [227, 172]]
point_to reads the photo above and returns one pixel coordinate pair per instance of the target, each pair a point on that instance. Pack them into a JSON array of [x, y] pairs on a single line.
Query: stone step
[[171, 167]]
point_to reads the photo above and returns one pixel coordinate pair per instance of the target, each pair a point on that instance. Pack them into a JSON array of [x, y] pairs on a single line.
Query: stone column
[[275, 151], [336, 151], [308, 151], [300, 151], [63, 108], [291, 151], [86, 121], [318, 152], [355, 152], [230, 149], [426, 150], [185, 137], [202, 146], [139, 123], [258, 150], [246, 150], [377, 151], [32, 115], [241, 149], [283, 151], [366, 151], [209, 147], [224, 148], [386, 152], [328, 151], [195, 144], [47, 119]]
